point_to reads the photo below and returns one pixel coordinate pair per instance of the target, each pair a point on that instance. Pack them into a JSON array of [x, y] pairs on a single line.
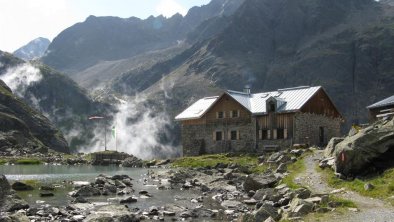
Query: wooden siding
[[227, 104], [276, 121], [200, 121], [321, 104]]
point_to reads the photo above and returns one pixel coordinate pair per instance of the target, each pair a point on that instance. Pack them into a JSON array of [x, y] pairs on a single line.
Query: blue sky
[[25, 20]]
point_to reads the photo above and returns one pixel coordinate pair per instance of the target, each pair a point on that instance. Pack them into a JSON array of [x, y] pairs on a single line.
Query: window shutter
[[275, 134], [285, 133], [269, 134], [229, 135], [237, 134], [223, 135], [217, 115], [214, 136], [224, 114], [260, 134], [239, 113]]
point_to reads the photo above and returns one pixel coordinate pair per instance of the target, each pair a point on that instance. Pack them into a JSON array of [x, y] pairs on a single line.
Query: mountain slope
[[25, 129], [284, 43], [55, 95], [85, 44], [33, 50]]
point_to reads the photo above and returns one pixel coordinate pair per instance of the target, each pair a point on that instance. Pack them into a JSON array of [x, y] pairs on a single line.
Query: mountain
[[90, 42], [23, 128], [33, 50], [268, 45], [58, 97]]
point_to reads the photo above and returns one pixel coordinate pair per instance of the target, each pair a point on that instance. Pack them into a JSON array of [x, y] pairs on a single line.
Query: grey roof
[[288, 100], [386, 102]]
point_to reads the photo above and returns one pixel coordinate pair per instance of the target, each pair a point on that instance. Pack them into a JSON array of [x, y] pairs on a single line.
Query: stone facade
[[308, 127]]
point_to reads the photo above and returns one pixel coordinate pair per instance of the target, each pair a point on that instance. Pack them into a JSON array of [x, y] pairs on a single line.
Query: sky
[[24, 20]]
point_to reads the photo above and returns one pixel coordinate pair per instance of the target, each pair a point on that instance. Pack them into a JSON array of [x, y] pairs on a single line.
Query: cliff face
[[23, 128]]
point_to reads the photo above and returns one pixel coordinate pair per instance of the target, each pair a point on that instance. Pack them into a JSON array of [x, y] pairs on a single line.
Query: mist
[[19, 78]]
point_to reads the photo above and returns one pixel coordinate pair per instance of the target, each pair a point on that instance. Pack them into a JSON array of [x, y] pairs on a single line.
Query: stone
[[368, 186], [355, 154], [256, 182], [19, 186], [353, 209], [100, 180], [87, 191], [281, 168], [168, 213], [132, 162], [4, 187], [250, 202], [269, 219], [47, 188], [297, 152], [46, 194], [153, 210], [19, 217], [302, 210], [266, 211], [128, 200], [13, 203], [80, 199], [328, 162], [231, 204], [302, 193], [119, 184], [330, 148], [316, 200], [274, 157]]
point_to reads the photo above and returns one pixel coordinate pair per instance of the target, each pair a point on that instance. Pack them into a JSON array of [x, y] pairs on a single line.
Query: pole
[[105, 134]]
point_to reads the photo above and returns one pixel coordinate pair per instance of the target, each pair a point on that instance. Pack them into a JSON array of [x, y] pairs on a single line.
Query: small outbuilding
[[245, 122], [381, 109]]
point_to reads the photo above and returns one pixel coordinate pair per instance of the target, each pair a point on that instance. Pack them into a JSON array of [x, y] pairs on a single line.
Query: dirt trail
[[370, 210]]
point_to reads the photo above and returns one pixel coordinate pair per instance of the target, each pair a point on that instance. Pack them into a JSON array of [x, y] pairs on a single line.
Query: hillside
[[85, 44], [277, 44], [23, 129], [55, 95]]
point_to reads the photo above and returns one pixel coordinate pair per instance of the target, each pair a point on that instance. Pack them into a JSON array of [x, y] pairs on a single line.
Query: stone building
[[381, 109], [246, 122]]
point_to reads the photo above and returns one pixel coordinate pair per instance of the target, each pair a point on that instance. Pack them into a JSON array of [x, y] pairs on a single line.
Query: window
[[220, 115], [233, 135], [218, 136], [264, 135], [272, 107], [234, 113], [281, 133]]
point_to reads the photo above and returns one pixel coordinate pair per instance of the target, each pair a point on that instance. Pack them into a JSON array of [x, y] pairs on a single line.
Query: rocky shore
[[224, 192]]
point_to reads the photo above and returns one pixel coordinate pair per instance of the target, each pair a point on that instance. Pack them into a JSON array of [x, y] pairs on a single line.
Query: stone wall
[[199, 139], [268, 145], [307, 128]]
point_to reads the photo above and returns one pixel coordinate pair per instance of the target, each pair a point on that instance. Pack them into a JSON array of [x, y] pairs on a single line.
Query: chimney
[[247, 89]]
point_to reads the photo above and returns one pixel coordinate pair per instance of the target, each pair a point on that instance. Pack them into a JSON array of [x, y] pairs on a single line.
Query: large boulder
[[372, 146], [330, 148], [20, 186], [4, 187], [256, 181], [132, 162]]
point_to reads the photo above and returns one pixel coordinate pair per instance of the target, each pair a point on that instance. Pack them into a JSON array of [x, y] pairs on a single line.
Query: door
[[321, 136]]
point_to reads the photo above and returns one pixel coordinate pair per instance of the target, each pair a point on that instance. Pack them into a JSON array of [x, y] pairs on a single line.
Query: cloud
[[168, 8], [19, 78]]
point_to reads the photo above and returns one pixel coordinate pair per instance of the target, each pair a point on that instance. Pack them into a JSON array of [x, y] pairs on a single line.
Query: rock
[[47, 188], [87, 191], [163, 162], [127, 182], [299, 207], [143, 192], [355, 154], [261, 159], [100, 180], [353, 209], [330, 148], [368, 186], [328, 162], [302, 193], [316, 200], [266, 211], [119, 184], [297, 152], [110, 188], [78, 184], [153, 210], [250, 202], [19, 217], [231, 204], [19, 186], [80, 199], [128, 200], [168, 213], [120, 177], [274, 157], [13, 203], [46, 194], [281, 168], [256, 182], [132, 162], [186, 214], [4, 187]]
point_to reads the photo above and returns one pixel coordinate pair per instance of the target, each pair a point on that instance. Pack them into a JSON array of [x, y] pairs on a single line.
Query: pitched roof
[[385, 102], [289, 100]]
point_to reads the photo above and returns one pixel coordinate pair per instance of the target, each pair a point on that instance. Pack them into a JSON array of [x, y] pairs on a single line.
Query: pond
[[61, 176]]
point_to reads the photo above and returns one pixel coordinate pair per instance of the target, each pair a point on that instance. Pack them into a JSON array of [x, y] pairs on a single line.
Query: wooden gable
[[320, 103], [227, 104]]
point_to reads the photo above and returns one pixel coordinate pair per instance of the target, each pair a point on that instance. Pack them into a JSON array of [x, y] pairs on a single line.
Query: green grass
[[28, 161], [383, 184], [2, 162], [211, 160], [343, 202], [294, 169]]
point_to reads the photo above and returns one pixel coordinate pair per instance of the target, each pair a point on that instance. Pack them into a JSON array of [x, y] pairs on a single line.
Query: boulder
[[330, 148], [302, 193], [372, 147], [13, 202], [327, 162], [87, 191], [46, 194], [266, 211], [4, 187], [19, 186], [132, 162], [128, 200], [256, 181]]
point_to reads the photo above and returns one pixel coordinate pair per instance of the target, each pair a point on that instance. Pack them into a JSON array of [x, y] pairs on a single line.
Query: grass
[[28, 161], [2, 162], [211, 161], [344, 203], [295, 169], [383, 184]]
